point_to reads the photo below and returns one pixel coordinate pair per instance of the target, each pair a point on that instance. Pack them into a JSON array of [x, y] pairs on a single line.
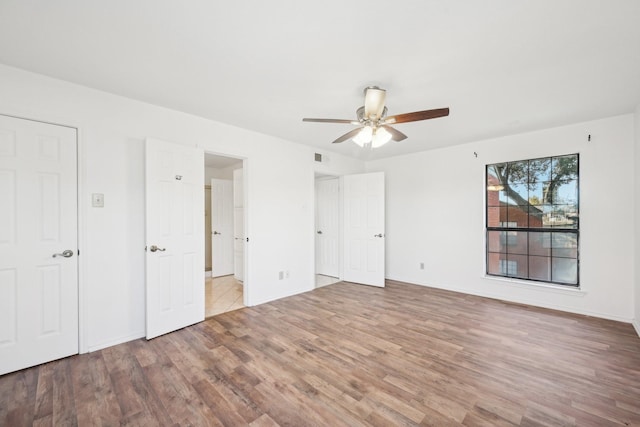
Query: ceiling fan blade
[[416, 116], [347, 136], [374, 102], [396, 135], [329, 120]]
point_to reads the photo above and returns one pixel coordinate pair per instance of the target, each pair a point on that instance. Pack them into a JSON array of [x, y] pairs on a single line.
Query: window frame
[[508, 229]]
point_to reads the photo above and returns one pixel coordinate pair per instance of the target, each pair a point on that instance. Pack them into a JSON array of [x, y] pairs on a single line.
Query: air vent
[[319, 157]]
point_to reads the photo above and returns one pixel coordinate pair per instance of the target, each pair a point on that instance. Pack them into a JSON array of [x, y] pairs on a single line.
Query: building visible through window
[[532, 219]]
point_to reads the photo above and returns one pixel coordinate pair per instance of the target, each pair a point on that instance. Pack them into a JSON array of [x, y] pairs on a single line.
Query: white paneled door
[[38, 243], [364, 233], [174, 236], [238, 224], [221, 227], [328, 227]]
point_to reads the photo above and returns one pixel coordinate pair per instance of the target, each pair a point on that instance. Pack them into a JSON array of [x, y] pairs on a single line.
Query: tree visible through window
[[532, 215]]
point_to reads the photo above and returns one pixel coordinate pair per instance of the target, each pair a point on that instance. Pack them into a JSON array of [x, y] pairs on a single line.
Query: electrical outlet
[[280, 275], [422, 266], [286, 274]]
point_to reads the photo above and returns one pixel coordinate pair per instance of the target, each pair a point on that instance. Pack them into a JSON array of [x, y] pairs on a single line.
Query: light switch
[[97, 200]]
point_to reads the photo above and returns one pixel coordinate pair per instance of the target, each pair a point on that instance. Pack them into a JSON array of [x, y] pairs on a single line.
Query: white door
[[221, 227], [174, 236], [38, 224], [238, 225], [328, 227], [364, 228]]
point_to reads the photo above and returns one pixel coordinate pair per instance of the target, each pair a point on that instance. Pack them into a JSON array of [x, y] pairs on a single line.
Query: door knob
[[378, 235], [215, 232], [154, 248], [67, 254], [319, 231]]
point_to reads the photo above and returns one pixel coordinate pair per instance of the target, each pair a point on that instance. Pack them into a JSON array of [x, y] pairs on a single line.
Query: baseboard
[[636, 325], [207, 273], [526, 302], [116, 341]]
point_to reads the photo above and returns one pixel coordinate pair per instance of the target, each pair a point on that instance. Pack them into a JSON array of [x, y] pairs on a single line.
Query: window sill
[[540, 286]]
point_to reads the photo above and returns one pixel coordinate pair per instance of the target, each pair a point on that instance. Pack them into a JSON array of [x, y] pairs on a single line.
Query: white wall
[[636, 298], [435, 215], [112, 131], [220, 173]]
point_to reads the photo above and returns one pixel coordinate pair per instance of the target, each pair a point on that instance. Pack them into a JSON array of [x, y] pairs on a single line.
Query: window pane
[[518, 194], [540, 268], [536, 193], [540, 244], [493, 172], [535, 216], [494, 261], [495, 196], [539, 170], [495, 241], [564, 270], [565, 193], [563, 216], [518, 216], [495, 192], [559, 216], [515, 242], [564, 167], [564, 245], [518, 266], [493, 217], [518, 172]]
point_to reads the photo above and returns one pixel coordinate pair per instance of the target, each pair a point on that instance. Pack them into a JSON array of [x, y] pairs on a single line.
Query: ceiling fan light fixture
[[374, 98], [380, 137], [364, 136]]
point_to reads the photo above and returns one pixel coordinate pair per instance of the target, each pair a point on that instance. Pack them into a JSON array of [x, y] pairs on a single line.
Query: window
[[532, 227]]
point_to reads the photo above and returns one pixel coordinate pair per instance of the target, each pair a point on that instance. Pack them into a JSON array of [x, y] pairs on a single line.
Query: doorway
[[224, 236], [327, 230], [350, 229]]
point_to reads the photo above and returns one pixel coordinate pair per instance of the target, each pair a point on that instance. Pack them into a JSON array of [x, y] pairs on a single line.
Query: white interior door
[[221, 227], [364, 228], [38, 224], [238, 225], [328, 227], [174, 236]]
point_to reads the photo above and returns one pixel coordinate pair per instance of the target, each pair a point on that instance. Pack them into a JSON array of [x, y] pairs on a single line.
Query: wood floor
[[349, 355]]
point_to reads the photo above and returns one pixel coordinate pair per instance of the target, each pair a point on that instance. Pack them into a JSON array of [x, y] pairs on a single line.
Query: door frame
[[246, 287], [47, 118]]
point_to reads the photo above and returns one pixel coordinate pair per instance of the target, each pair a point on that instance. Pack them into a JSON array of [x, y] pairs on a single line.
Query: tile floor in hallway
[[322, 280], [222, 294]]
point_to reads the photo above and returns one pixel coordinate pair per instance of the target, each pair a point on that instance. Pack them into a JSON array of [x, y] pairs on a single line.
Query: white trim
[[116, 341], [539, 286], [524, 301], [207, 273], [636, 325]]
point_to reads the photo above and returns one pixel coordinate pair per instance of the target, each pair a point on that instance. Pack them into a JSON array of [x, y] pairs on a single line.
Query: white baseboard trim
[[207, 273], [636, 325], [523, 301], [115, 341]]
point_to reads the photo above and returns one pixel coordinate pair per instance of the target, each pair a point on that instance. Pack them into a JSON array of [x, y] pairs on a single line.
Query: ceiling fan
[[374, 130]]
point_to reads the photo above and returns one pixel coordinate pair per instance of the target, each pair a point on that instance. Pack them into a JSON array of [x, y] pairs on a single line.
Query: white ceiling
[[502, 66]]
